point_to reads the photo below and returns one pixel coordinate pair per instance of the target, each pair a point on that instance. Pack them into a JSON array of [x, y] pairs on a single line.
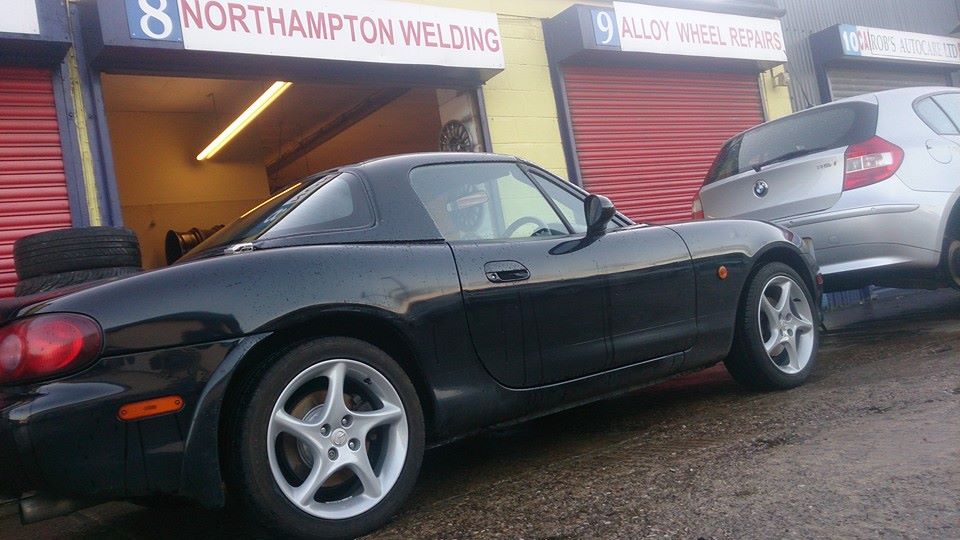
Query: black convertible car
[[303, 357]]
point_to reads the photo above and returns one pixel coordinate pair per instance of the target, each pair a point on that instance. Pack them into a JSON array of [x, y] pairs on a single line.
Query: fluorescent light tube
[[244, 119]]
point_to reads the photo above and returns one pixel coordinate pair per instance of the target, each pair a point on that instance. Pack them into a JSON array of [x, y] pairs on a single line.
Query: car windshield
[[795, 136], [262, 217]]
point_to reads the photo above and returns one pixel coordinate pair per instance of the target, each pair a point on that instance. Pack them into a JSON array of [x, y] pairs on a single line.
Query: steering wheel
[[521, 222]]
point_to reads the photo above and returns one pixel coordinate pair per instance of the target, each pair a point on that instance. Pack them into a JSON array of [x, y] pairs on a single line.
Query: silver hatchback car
[[873, 179]]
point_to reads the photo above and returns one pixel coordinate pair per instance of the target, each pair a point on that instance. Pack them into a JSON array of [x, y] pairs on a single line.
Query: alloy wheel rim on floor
[[337, 439], [786, 324]]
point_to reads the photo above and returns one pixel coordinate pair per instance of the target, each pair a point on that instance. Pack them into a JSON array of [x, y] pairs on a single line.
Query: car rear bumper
[[12, 471], [64, 438]]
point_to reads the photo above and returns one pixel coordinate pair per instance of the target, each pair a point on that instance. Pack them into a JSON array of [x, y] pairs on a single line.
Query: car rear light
[[47, 345], [697, 208], [870, 162]]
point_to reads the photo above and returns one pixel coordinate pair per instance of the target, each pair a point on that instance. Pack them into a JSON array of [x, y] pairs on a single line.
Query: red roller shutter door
[[33, 188], [646, 138]]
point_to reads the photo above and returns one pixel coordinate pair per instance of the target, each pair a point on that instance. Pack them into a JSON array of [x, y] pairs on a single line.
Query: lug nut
[[354, 444], [332, 453], [346, 421], [325, 430]]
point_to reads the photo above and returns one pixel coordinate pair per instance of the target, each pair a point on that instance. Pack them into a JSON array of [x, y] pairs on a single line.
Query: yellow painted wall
[[521, 108], [776, 99], [162, 186], [536, 9]]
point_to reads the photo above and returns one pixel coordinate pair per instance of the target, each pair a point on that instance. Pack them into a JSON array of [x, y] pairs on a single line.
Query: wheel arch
[[377, 328], [950, 222], [776, 252], [203, 471], [786, 254], [740, 361]]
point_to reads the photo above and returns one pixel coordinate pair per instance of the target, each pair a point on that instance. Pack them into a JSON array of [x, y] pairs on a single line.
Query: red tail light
[[870, 162], [697, 208], [46, 345]]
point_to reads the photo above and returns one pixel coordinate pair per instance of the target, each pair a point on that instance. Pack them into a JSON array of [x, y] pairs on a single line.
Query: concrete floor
[[869, 448]]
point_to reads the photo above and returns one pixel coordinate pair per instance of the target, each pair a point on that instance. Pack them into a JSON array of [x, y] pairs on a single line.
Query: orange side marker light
[[722, 272], [151, 407]]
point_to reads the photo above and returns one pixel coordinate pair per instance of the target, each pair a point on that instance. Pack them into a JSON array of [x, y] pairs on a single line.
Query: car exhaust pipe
[[37, 508], [177, 244]]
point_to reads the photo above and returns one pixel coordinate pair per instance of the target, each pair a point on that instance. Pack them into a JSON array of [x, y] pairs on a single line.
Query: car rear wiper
[[788, 156]]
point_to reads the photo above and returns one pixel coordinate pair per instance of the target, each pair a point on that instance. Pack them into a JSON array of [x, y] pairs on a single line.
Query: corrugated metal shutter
[[646, 138], [805, 17], [853, 82], [33, 189]]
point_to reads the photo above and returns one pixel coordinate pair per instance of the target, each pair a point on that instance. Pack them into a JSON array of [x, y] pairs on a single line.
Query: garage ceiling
[[297, 113]]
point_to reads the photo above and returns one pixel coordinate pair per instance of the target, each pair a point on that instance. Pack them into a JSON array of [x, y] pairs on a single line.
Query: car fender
[[947, 213], [718, 298], [201, 475]]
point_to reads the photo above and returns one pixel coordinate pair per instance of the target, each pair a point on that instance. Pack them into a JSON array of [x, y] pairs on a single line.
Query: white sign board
[[369, 31], [895, 45], [654, 29], [19, 17]]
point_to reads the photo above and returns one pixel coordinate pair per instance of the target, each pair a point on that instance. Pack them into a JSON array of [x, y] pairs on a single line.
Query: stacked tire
[[56, 259]]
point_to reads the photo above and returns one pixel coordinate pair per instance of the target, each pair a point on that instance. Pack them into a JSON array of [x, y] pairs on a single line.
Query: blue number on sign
[[154, 20], [850, 39], [605, 27]]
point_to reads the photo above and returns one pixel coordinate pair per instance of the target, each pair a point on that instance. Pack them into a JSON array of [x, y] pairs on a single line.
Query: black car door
[[529, 309], [540, 295], [649, 280]]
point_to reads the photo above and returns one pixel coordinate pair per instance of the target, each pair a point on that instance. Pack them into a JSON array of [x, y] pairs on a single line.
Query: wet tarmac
[[868, 448]]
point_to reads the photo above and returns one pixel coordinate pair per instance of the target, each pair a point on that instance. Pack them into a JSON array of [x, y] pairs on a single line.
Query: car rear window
[[797, 135], [340, 204], [322, 203], [941, 112]]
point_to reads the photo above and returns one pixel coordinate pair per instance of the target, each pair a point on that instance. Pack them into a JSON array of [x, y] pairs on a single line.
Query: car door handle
[[505, 271]]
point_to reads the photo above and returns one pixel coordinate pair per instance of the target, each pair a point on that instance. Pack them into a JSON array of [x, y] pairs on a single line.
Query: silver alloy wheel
[[786, 324], [336, 450]]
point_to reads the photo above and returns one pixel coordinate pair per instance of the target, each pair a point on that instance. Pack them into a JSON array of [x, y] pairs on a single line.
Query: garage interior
[[159, 125]]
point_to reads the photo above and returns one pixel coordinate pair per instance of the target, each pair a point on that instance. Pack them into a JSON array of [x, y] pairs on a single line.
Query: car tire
[[270, 468], [777, 310], [69, 250], [951, 262], [40, 284]]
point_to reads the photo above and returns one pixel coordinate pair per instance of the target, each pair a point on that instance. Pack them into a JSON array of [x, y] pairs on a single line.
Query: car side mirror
[[599, 211]]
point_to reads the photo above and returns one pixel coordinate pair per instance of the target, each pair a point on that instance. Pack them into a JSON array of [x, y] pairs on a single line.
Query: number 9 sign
[[155, 20], [605, 28]]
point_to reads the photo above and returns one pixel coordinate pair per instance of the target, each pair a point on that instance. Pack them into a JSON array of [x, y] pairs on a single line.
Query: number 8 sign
[[154, 20]]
